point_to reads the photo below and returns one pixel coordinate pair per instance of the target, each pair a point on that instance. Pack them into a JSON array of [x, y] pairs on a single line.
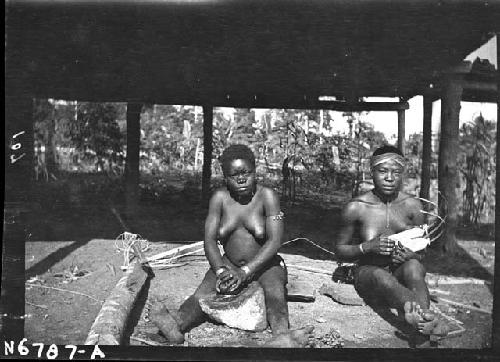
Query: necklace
[[387, 221], [387, 208]]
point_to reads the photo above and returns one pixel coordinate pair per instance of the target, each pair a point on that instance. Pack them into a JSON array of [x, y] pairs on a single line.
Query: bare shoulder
[[366, 197], [410, 201], [354, 209], [268, 193], [270, 200], [219, 195]]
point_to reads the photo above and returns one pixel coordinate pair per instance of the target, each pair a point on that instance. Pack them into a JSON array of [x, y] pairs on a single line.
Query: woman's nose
[[389, 176]]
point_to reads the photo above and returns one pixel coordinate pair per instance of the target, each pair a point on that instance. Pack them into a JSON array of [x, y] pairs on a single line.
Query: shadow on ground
[[180, 219]]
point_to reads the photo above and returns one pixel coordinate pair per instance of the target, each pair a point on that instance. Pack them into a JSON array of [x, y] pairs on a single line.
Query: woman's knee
[[207, 285], [371, 279], [274, 277], [383, 279], [274, 293], [413, 270]]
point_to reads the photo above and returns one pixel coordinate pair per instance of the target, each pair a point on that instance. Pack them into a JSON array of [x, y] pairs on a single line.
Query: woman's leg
[[412, 275], [174, 324], [273, 282], [190, 314], [375, 283]]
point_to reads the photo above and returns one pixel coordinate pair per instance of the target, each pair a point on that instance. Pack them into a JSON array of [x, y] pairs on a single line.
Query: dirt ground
[[59, 316], [73, 251]]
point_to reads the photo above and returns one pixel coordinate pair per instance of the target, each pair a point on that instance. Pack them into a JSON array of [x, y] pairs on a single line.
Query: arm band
[[280, 216], [361, 248]]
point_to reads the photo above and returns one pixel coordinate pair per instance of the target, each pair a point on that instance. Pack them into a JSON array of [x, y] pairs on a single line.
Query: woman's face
[[388, 177], [240, 177]]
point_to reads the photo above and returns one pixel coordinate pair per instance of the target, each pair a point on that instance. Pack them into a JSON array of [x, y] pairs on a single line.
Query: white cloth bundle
[[415, 239]]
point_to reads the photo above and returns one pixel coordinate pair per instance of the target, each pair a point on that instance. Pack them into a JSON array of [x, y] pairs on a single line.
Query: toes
[[428, 315], [407, 307]]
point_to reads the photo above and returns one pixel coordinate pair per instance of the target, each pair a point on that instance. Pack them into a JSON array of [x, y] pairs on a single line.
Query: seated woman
[[392, 274], [247, 219]]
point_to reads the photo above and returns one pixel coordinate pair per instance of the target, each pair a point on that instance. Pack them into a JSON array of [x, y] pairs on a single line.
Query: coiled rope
[[124, 243]]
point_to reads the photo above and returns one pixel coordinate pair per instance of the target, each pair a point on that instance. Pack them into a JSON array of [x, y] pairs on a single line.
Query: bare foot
[[412, 313], [162, 318], [425, 321], [294, 338], [431, 325]]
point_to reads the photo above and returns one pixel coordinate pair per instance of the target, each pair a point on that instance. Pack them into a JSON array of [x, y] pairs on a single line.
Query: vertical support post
[[425, 181], [19, 152], [496, 301], [132, 163], [401, 130], [448, 175], [208, 115]]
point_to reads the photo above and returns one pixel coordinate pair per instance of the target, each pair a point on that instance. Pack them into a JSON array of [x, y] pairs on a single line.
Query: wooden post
[[496, 303], [448, 175], [19, 170], [425, 181], [401, 130], [132, 163], [208, 114]]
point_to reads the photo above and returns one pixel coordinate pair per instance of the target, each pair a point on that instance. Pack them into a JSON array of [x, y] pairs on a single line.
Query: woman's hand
[[230, 281], [402, 254], [381, 245]]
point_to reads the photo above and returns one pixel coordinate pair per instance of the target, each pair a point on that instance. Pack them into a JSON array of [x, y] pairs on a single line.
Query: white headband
[[389, 156]]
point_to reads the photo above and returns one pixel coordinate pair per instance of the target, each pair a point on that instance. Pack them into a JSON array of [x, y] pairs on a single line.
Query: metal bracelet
[[361, 248], [245, 269], [221, 270]]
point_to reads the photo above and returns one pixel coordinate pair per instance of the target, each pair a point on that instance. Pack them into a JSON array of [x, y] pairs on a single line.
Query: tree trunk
[[132, 162], [496, 291], [196, 154], [109, 325], [207, 152], [425, 182], [50, 149], [448, 175], [401, 130]]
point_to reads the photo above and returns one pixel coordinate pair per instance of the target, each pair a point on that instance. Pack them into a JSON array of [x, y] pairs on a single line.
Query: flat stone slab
[[246, 310], [300, 291], [342, 293]]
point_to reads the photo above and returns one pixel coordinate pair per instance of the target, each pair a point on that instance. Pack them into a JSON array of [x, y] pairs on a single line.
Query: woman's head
[[238, 166], [387, 166]]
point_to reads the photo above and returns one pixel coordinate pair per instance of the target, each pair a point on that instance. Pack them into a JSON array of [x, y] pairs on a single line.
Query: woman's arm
[[274, 231], [415, 206], [343, 248], [211, 225]]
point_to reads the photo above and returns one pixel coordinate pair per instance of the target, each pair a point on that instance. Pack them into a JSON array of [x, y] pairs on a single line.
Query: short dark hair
[[387, 149], [236, 152]]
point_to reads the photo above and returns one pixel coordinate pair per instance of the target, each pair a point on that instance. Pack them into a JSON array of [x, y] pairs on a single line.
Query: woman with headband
[[246, 218], [385, 272]]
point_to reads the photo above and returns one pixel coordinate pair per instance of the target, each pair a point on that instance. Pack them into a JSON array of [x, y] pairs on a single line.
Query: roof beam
[[316, 104]]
